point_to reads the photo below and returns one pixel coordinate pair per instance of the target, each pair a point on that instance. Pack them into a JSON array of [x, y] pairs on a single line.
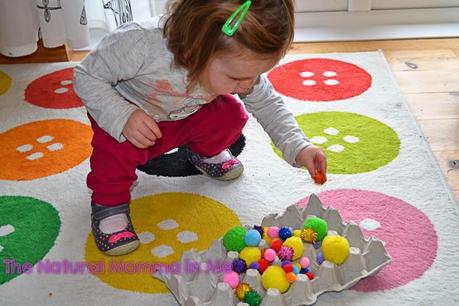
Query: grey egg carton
[[206, 288]]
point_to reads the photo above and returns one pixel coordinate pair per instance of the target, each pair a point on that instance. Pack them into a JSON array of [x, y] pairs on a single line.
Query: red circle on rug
[[320, 79], [409, 236], [54, 90]]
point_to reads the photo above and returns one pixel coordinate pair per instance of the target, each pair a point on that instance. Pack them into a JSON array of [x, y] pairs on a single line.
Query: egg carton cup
[[205, 287]]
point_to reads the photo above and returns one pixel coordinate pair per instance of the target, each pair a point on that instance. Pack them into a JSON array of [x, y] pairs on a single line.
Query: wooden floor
[[432, 89]]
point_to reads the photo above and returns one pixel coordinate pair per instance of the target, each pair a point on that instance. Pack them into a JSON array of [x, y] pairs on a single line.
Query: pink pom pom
[[304, 262], [270, 255], [285, 253], [273, 232], [231, 278]]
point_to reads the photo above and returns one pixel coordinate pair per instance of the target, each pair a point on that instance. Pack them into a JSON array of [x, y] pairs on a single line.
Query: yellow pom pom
[[297, 233], [335, 249], [266, 237], [297, 245], [250, 254], [275, 277], [241, 290]]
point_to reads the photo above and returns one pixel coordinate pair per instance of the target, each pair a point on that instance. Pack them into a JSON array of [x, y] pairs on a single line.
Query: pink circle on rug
[[320, 79], [409, 236], [54, 90]]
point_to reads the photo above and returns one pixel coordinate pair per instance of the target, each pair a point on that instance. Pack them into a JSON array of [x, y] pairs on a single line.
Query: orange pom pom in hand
[[320, 177]]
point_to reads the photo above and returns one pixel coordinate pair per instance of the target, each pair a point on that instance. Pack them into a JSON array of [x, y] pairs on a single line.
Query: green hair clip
[[230, 30]]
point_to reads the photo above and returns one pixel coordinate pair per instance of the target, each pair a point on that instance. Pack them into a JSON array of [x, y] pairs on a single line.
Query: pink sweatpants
[[209, 131]]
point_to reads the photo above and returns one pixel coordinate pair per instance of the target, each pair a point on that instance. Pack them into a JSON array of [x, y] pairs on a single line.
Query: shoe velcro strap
[[100, 212]]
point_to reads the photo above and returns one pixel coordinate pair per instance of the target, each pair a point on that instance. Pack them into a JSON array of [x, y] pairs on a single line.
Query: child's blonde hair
[[193, 30]]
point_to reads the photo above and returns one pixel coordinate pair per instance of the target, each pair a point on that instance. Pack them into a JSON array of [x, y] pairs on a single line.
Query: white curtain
[[79, 23]]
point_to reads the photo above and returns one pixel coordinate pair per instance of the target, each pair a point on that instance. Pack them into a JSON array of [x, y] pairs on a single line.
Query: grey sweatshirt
[[134, 64]]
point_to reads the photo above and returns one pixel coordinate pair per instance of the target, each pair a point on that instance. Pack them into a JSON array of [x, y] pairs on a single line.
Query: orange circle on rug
[[5, 82], [167, 224], [54, 90], [43, 148]]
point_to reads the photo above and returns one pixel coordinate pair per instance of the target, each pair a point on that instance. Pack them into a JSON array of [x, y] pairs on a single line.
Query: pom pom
[[296, 270], [318, 225], [252, 238], [320, 177], [273, 232], [304, 270], [231, 278], [335, 249], [317, 245], [269, 255], [285, 233], [242, 290], [288, 268], [265, 236], [297, 233], [320, 258], [276, 244], [297, 245], [305, 262], [310, 275], [285, 253], [239, 265], [254, 265], [291, 277], [252, 298], [250, 254], [286, 262], [275, 277], [263, 265], [234, 239], [259, 229]]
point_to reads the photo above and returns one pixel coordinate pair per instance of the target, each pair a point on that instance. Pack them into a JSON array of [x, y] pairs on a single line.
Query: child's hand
[[141, 130], [314, 159]]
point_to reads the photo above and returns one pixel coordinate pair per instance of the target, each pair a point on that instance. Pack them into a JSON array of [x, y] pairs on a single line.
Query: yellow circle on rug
[[5, 82], [42, 148], [167, 225]]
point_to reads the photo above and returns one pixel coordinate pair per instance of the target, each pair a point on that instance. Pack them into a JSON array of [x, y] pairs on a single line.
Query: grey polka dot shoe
[[224, 171], [118, 243]]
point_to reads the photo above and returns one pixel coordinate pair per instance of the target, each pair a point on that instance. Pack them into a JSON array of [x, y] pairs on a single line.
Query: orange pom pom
[[320, 177]]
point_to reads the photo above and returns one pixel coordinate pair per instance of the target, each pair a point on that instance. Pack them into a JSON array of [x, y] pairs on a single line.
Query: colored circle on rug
[[409, 236], [353, 143], [5, 82], [320, 79], [28, 230], [167, 224], [54, 90], [43, 148]]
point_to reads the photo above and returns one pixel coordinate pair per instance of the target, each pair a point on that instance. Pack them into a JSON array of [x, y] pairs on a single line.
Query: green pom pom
[[252, 298], [234, 239], [318, 225]]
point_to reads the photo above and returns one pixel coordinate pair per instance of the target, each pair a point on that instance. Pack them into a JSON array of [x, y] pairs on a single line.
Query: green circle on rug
[[5, 82], [28, 230], [353, 143]]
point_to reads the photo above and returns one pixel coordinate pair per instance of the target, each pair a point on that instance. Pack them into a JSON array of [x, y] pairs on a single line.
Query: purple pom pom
[[259, 229], [320, 258], [254, 265], [239, 265], [285, 253]]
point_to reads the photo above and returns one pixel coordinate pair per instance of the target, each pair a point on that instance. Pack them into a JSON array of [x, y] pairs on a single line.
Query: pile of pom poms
[[279, 258]]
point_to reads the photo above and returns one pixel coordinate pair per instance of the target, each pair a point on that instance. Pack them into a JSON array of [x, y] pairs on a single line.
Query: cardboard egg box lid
[[205, 287]]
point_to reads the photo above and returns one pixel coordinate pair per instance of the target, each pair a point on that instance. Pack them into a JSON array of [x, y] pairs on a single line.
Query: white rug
[[382, 176]]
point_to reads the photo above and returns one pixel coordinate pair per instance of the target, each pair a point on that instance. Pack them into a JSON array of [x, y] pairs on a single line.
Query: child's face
[[235, 73]]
